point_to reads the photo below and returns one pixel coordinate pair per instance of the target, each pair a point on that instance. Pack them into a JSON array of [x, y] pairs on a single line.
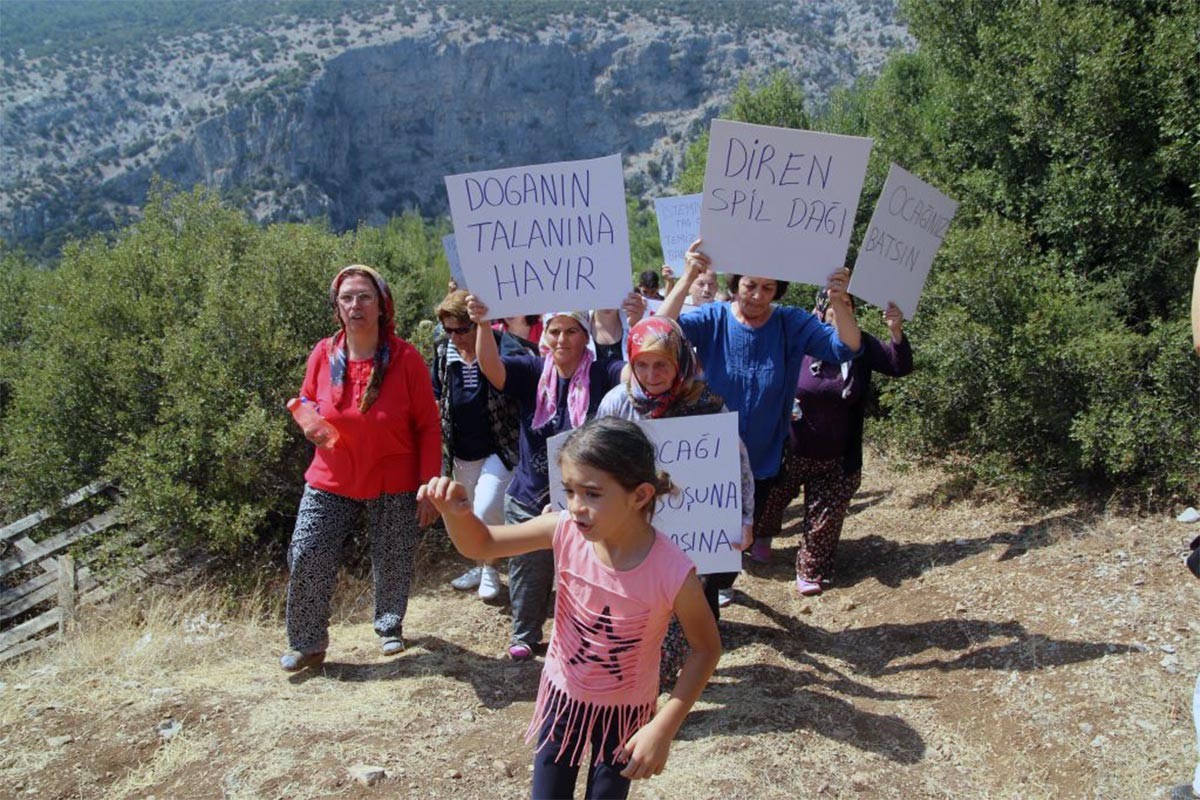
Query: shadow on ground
[[497, 682]]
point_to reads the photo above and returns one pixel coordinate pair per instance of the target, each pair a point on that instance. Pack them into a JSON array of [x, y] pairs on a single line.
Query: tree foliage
[[164, 359], [1050, 344]]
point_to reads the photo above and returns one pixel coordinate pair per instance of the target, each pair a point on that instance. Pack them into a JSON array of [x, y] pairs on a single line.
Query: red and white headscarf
[[688, 393]]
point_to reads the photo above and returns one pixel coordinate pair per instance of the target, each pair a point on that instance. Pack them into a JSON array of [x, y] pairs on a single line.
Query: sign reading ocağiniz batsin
[[549, 237]]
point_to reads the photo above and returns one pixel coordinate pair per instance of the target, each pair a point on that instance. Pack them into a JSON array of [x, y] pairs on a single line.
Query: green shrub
[[165, 358]]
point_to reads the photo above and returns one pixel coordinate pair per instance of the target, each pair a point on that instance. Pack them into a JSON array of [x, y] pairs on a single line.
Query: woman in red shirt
[[374, 388]]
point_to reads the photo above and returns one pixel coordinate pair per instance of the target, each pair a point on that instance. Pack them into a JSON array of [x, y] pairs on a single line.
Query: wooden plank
[[58, 542], [14, 595], [68, 585], [45, 593], [33, 627], [18, 594], [77, 496], [26, 646]]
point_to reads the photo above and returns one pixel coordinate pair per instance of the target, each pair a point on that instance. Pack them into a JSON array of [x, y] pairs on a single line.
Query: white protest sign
[[543, 238], [451, 248], [780, 202], [678, 226], [704, 518], [906, 230]]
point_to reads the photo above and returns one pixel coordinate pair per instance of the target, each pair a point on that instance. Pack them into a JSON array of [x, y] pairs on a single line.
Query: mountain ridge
[[306, 118]]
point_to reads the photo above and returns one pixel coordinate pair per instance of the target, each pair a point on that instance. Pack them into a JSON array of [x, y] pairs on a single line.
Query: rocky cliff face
[[376, 128]]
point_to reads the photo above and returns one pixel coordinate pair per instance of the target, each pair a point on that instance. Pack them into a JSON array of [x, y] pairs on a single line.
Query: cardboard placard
[[906, 230], [704, 517], [678, 226], [779, 202], [543, 238]]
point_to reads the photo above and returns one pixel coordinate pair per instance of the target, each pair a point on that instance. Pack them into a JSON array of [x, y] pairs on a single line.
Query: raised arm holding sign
[[540, 238]]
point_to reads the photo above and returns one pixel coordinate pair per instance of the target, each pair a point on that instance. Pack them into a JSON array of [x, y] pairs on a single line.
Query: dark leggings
[[555, 780]]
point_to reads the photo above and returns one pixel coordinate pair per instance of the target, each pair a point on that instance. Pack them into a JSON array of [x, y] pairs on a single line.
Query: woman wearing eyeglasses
[[480, 426], [374, 388]]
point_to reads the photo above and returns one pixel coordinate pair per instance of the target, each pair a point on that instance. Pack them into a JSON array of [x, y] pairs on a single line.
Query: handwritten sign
[[451, 248], [678, 226], [704, 517], [906, 230], [779, 202], [543, 238]]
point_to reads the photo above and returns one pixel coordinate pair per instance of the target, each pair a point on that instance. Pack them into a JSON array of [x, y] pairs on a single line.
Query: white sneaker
[[489, 583], [724, 597], [468, 580]]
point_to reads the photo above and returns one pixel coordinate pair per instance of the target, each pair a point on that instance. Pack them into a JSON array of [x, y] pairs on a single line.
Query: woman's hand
[[445, 495], [634, 306], [844, 320], [836, 285], [477, 310], [646, 753], [747, 538], [696, 261], [893, 317]]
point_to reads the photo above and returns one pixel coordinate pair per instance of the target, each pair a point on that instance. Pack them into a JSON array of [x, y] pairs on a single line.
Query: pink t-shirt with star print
[[602, 663]]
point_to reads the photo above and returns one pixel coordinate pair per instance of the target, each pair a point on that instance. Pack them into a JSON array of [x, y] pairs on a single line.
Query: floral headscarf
[[688, 393]]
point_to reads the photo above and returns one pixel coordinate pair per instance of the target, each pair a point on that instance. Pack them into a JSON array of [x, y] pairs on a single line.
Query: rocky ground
[[971, 648]]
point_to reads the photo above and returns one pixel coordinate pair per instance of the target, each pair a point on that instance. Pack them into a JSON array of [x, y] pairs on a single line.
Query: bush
[[165, 358], [1032, 380]]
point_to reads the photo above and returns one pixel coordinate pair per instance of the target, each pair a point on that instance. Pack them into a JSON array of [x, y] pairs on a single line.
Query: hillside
[[356, 111], [970, 649]]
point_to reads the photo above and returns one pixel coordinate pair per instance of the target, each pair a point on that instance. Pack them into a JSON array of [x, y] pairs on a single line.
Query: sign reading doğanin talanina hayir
[[549, 237]]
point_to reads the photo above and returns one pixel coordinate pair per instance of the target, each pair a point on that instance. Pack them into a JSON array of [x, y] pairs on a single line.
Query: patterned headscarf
[[578, 392], [338, 350], [688, 394]]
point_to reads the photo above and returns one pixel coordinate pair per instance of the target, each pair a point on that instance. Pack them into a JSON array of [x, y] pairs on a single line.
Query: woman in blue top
[[554, 394], [751, 350]]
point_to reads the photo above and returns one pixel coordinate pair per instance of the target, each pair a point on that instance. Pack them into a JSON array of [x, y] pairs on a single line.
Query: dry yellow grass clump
[[970, 649]]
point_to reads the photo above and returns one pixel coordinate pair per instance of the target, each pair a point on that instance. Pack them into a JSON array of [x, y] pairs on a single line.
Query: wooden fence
[[59, 584]]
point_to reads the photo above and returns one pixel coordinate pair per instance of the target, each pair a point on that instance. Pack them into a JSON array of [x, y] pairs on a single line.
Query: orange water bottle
[[317, 429]]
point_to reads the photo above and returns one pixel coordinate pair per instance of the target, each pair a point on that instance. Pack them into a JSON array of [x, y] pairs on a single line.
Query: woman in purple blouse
[[824, 454]]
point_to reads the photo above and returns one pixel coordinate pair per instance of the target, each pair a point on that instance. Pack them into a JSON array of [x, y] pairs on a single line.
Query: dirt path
[[968, 650]]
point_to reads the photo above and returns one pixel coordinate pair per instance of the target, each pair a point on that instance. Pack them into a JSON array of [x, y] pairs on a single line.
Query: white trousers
[[486, 480]]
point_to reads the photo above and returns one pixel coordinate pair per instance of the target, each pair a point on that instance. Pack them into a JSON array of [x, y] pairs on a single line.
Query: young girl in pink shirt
[[619, 581]]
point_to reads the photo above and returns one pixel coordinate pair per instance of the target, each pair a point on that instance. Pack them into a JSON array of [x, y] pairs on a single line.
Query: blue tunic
[[755, 370]]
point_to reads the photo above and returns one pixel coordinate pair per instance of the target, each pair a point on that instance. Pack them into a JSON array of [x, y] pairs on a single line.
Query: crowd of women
[[465, 438]]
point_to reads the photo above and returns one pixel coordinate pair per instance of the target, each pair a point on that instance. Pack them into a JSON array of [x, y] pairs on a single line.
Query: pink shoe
[[760, 551], [807, 588], [520, 652]]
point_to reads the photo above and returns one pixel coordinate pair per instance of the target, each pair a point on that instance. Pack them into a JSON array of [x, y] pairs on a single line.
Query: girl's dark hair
[[781, 287], [619, 448]]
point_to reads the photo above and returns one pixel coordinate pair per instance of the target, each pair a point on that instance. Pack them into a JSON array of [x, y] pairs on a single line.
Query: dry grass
[[972, 649]]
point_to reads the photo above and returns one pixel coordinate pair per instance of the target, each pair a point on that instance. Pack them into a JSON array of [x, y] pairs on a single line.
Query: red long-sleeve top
[[395, 446]]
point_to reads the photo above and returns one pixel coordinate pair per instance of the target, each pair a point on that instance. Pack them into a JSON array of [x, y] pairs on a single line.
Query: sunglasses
[[460, 331]]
